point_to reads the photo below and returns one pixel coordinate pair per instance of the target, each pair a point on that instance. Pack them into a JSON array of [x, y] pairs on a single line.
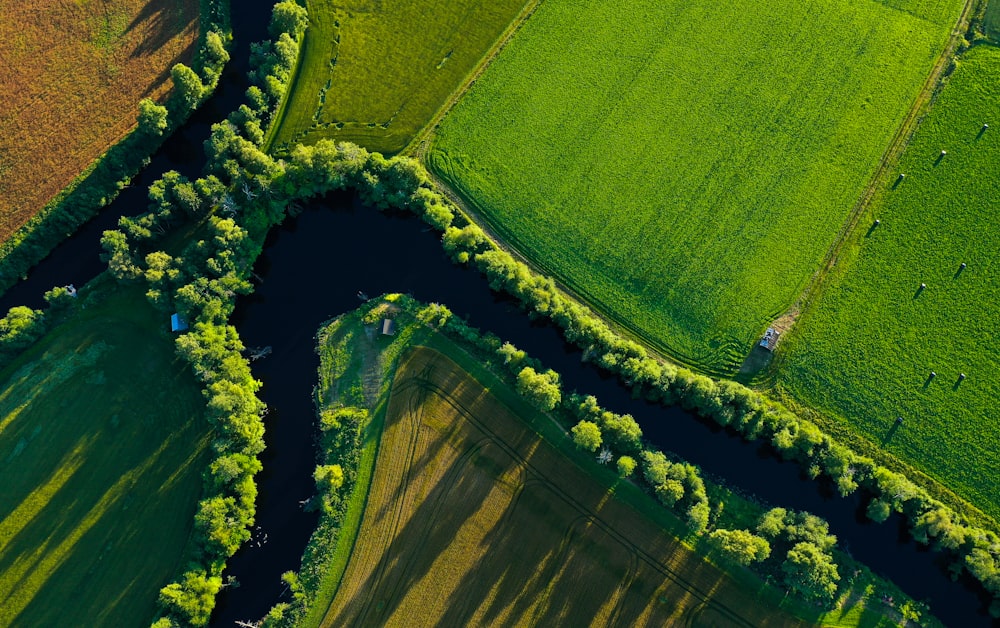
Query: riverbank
[[355, 353]]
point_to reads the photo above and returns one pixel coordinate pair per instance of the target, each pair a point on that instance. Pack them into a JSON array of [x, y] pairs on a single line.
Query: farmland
[[865, 351], [72, 75], [102, 444], [991, 22], [682, 166], [471, 518], [375, 73]]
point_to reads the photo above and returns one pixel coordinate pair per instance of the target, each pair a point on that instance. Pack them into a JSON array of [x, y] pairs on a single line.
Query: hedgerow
[[110, 173], [260, 191]]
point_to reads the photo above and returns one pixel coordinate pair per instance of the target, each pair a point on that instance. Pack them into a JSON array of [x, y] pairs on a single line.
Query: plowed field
[[472, 519], [71, 77]]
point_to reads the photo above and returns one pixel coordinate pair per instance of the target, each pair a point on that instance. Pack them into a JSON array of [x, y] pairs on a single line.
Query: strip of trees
[[254, 191], [110, 173], [798, 544], [401, 183]]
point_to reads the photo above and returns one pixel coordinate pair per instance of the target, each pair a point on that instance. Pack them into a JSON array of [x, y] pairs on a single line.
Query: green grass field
[[864, 352], [375, 72], [684, 166], [359, 363], [102, 444], [991, 20]]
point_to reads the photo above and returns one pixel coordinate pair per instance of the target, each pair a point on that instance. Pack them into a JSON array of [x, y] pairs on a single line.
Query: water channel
[[312, 268]]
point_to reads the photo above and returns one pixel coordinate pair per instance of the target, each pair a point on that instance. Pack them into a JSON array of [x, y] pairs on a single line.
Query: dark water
[[77, 259], [312, 270]]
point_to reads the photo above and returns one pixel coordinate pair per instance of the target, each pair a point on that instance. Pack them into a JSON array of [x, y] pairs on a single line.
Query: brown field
[[71, 76], [472, 519]]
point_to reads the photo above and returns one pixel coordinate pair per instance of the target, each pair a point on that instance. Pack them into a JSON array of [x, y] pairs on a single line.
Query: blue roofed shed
[[177, 323]]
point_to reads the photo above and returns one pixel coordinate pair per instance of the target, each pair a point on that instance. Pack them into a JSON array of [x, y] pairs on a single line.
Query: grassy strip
[[107, 175], [864, 350], [352, 336], [103, 445], [329, 550], [347, 87], [748, 166]]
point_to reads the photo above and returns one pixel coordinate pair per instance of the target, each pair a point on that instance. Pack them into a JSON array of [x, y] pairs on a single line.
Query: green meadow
[[681, 165], [864, 352], [991, 19], [102, 444], [375, 72]]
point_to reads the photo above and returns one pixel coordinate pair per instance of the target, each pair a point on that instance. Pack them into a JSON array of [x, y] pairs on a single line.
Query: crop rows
[[471, 519]]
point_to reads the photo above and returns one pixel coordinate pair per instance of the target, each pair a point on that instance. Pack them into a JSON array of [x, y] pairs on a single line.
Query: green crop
[[375, 73], [866, 350], [684, 166]]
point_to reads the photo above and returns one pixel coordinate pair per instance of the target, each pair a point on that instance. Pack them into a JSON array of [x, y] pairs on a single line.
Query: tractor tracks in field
[[417, 147]]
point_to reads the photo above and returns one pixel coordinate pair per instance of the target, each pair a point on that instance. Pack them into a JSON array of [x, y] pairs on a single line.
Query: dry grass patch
[[71, 77], [472, 519]]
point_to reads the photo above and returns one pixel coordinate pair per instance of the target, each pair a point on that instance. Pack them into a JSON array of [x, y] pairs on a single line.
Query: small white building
[[388, 327]]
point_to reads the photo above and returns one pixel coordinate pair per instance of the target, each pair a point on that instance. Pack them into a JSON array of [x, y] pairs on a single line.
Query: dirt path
[[889, 160], [418, 145]]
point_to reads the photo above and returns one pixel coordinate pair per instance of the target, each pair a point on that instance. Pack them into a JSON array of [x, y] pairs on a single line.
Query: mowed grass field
[[472, 519], [71, 78], [864, 352], [685, 166], [991, 19], [102, 446], [374, 72]]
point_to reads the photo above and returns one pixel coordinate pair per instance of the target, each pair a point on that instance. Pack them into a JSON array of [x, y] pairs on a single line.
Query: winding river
[[312, 268]]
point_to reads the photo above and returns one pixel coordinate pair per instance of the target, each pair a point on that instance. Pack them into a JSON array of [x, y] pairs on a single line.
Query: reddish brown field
[[72, 73], [472, 519]]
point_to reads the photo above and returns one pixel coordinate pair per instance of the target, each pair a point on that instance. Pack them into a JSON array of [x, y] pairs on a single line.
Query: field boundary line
[[764, 381], [583, 510], [417, 147], [890, 158]]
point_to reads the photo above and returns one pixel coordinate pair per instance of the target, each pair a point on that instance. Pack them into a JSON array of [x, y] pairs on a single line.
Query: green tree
[[118, 256], [329, 477], [626, 466], [152, 117], [20, 327], [188, 86], [742, 546], [879, 510], [587, 435], [288, 17], [811, 572], [542, 389], [215, 50], [191, 600]]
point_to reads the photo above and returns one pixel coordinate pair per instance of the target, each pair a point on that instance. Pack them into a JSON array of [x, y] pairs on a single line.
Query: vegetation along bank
[[76, 73], [876, 346], [519, 475], [687, 184]]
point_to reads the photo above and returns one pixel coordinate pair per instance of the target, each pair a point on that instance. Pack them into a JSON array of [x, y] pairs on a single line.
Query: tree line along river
[[312, 268]]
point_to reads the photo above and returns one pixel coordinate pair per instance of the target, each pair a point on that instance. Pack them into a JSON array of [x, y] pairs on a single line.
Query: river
[[312, 268]]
